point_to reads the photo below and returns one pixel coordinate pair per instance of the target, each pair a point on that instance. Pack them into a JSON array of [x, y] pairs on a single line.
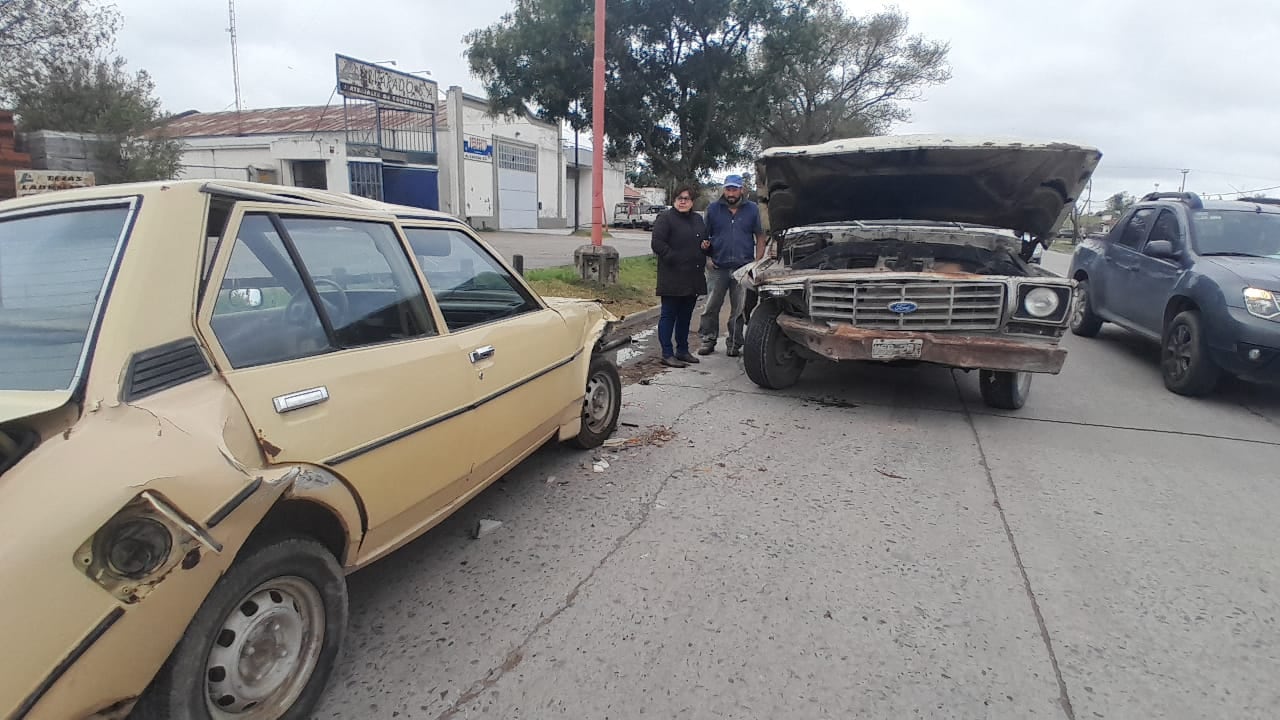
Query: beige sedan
[[216, 399]]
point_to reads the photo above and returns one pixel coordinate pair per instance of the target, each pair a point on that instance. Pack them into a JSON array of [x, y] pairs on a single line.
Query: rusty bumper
[[977, 352]]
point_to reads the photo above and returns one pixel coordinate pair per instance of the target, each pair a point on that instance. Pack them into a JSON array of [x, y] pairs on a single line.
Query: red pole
[[597, 133]]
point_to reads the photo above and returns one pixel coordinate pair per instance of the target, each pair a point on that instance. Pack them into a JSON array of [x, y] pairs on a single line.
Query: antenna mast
[[235, 59]]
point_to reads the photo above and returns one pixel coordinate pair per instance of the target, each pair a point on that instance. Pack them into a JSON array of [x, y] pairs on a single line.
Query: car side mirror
[[246, 297], [1162, 250]]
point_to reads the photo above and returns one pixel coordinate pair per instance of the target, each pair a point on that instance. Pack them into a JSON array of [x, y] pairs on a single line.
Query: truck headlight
[[1041, 302], [1262, 303]]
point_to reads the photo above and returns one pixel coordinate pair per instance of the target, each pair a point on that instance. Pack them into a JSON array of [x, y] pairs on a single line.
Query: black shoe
[[685, 357], [673, 362], [733, 351], [707, 349]]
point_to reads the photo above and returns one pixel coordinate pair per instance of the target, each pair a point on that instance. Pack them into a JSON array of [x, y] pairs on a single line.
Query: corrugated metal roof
[[289, 120]]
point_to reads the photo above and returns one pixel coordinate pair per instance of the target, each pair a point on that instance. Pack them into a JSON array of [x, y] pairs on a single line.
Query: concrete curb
[[646, 319]]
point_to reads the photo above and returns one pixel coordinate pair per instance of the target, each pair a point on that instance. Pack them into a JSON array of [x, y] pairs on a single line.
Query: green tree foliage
[[683, 85], [837, 75]]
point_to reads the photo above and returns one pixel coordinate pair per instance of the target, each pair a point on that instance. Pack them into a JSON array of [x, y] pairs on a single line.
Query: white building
[[578, 187], [494, 172]]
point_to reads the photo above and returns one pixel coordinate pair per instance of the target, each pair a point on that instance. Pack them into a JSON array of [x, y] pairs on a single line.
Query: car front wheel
[[601, 406], [262, 645], [1005, 390], [770, 356], [1084, 322], [1184, 357]]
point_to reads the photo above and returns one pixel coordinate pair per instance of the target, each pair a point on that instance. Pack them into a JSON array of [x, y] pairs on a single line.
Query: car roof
[[261, 191], [1195, 203]]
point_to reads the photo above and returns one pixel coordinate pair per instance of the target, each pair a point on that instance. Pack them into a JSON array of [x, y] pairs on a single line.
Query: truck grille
[[941, 305]]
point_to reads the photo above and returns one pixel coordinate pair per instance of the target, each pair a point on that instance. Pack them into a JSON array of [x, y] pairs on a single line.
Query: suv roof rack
[[1189, 198]]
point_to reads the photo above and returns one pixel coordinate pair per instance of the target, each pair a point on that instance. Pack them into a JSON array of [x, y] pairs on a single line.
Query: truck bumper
[[975, 352]]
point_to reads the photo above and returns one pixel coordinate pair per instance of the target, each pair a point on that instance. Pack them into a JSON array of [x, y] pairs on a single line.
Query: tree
[[99, 97], [37, 33], [1120, 202], [682, 85], [837, 75]]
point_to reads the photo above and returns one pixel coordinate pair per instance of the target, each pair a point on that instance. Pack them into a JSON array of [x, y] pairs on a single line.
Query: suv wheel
[[770, 356], [1083, 320], [1184, 357], [1004, 390]]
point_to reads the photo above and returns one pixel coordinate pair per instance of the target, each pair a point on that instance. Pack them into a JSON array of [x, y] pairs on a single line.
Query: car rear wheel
[[1184, 357], [1005, 390], [1084, 322], [600, 406], [770, 357], [262, 645]]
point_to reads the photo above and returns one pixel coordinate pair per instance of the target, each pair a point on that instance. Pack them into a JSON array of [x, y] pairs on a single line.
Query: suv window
[[470, 287], [1166, 228], [1135, 231], [265, 313]]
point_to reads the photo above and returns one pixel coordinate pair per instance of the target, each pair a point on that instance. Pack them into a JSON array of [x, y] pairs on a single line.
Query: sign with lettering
[[479, 148], [390, 88], [34, 182]]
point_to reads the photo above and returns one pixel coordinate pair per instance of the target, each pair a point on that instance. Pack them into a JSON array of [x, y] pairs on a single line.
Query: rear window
[[53, 267]]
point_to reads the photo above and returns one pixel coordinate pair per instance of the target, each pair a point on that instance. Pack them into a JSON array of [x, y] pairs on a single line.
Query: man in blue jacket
[[735, 238]]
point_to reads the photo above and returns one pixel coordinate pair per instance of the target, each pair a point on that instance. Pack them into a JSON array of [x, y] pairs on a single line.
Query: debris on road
[[888, 474], [484, 527], [655, 435], [551, 479]]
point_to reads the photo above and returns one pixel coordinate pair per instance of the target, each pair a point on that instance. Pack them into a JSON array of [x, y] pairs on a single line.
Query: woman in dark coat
[[677, 241]]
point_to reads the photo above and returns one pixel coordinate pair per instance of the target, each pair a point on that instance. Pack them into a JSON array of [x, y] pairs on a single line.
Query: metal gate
[[517, 185]]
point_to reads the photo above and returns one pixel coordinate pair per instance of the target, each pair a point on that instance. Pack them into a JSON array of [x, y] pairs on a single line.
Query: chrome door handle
[[300, 399], [482, 353]]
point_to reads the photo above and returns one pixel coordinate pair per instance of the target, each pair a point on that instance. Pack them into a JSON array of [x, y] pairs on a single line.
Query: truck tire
[[1185, 363], [1004, 390], [769, 355]]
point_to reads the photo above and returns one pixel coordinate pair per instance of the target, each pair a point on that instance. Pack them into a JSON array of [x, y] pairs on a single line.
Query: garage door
[[517, 186]]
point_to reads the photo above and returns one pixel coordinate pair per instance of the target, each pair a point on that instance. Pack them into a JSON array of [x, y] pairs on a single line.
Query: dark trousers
[[677, 312]]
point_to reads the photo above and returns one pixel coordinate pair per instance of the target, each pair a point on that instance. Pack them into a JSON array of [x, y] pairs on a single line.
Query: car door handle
[[482, 353], [302, 398]]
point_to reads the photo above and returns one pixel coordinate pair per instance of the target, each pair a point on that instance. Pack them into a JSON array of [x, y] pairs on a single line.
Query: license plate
[[896, 349]]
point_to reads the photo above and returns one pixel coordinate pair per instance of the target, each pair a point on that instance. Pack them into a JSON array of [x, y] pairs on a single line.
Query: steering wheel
[[295, 312]]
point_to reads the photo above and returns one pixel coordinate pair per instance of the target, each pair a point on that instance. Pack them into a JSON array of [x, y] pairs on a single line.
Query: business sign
[[34, 182], [390, 88], [479, 148]]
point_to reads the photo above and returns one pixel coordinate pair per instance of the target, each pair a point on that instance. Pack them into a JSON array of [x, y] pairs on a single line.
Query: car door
[[1120, 266], [321, 326], [520, 350], [1156, 277]]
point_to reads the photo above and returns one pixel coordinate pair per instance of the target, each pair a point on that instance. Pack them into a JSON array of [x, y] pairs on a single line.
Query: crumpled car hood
[[1011, 184]]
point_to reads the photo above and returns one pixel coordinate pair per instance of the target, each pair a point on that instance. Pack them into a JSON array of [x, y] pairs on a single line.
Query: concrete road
[[549, 249], [873, 543]]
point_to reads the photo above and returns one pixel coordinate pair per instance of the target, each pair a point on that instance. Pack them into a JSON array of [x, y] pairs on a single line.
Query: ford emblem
[[903, 307]]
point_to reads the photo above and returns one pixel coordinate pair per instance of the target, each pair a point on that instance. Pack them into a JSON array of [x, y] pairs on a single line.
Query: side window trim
[[308, 283]]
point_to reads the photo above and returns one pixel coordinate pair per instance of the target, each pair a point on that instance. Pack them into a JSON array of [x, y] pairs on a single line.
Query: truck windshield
[[53, 269], [1237, 232]]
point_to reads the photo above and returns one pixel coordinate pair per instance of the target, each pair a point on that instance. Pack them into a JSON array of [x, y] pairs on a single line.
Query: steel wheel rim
[[265, 651], [1177, 351], [598, 405], [1077, 314]]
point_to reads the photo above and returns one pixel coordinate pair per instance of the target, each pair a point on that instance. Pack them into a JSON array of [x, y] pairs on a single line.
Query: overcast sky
[[1156, 86]]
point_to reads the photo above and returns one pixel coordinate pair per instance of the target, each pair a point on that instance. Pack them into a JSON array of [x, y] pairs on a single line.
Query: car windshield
[[1237, 232], [52, 272]]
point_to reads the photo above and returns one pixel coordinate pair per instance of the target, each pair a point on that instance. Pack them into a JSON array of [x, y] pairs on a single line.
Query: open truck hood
[[1016, 185]]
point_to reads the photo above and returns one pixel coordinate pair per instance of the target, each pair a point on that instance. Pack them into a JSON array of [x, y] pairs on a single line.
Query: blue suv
[[1201, 277]]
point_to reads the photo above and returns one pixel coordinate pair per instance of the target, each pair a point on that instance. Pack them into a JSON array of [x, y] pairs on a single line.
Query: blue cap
[[733, 181]]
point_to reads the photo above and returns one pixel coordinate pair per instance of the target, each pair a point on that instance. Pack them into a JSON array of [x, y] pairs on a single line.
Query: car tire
[[601, 405], [1084, 322], [1184, 357], [1004, 390], [770, 356], [292, 582]]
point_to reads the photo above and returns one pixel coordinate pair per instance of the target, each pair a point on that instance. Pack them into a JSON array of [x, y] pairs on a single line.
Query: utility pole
[[1183, 187], [235, 63], [597, 262]]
